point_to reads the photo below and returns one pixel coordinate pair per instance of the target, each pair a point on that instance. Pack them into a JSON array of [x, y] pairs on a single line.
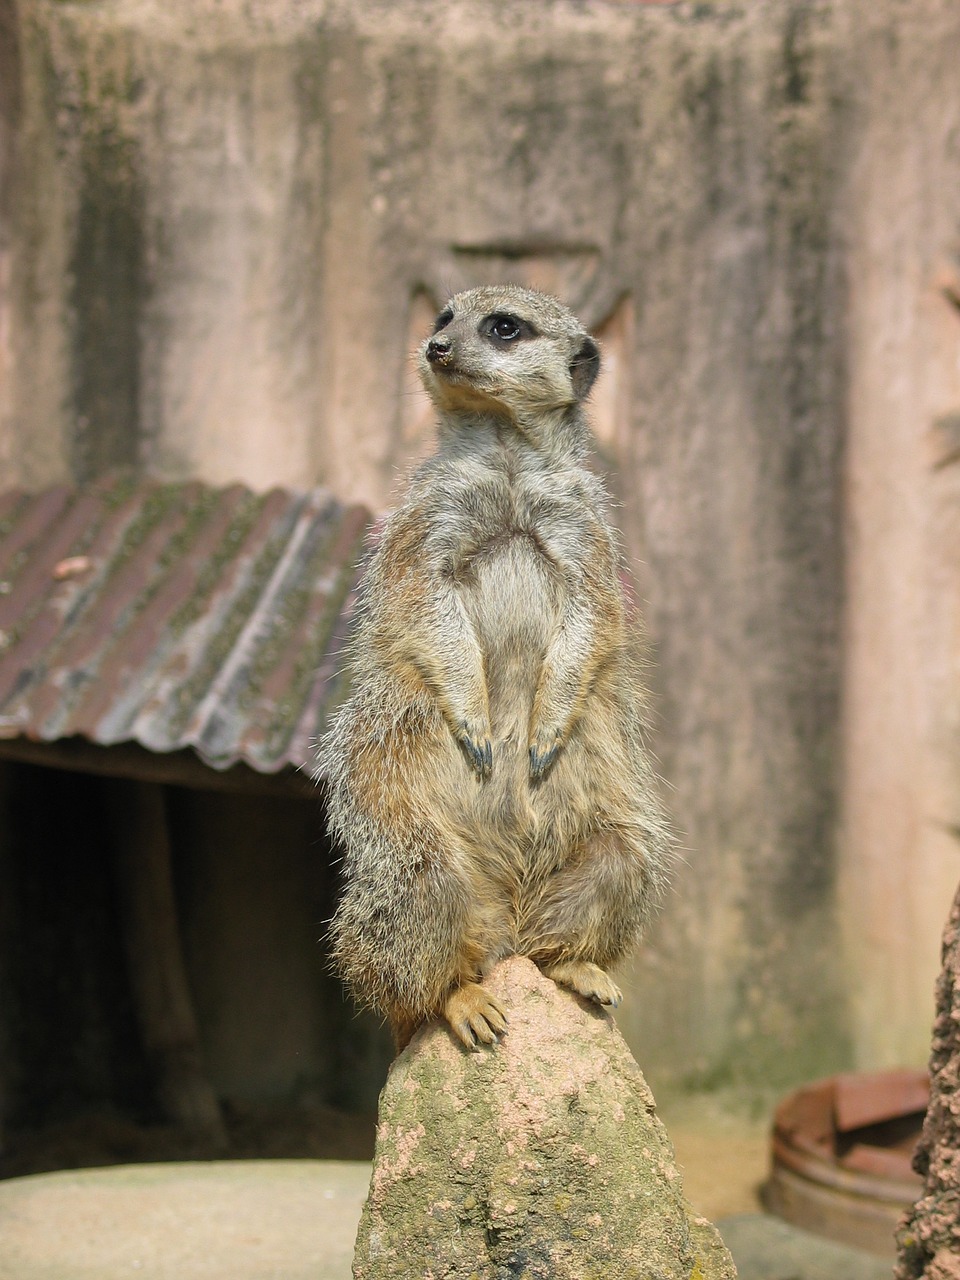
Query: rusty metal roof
[[174, 616]]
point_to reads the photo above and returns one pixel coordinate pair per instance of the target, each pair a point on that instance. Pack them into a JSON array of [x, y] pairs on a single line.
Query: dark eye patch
[[502, 327], [443, 319]]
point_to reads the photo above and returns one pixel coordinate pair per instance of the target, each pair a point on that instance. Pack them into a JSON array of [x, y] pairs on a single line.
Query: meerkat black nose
[[438, 349]]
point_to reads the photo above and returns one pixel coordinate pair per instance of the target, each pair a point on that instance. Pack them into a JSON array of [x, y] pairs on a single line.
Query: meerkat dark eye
[[503, 327], [506, 329], [443, 319]]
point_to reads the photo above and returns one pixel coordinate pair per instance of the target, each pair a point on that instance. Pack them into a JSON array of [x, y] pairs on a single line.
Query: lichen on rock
[[542, 1158], [928, 1239]]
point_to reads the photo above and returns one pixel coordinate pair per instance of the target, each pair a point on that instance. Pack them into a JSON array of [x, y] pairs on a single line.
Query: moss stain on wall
[[108, 285]]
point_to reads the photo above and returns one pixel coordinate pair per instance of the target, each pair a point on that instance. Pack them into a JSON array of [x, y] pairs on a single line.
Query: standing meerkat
[[488, 775]]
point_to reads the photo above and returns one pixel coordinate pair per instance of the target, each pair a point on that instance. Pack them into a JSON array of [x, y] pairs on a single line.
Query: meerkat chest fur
[[512, 538]]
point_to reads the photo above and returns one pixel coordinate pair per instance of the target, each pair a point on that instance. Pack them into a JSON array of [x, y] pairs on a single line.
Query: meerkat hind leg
[[474, 1015], [586, 979]]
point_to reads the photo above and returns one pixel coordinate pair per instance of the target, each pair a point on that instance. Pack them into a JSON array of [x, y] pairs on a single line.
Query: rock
[[542, 1158], [928, 1239]]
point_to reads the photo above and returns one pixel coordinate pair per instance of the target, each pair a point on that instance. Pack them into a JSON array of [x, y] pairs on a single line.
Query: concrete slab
[[243, 1220], [279, 1220], [765, 1248]]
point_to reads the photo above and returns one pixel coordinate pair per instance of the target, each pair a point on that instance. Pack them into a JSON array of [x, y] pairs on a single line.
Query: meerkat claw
[[475, 1018], [479, 751], [465, 1032], [587, 980], [540, 761]]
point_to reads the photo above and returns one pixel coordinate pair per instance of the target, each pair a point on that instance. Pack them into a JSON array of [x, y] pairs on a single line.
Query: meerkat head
[[508, 352]]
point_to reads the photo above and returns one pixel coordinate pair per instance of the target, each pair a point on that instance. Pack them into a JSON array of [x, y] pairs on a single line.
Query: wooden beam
[[176, 768], [158, 976]]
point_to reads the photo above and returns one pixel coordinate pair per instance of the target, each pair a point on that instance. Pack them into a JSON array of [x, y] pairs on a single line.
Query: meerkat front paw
[[588, 980], [474, 1016], [474, 737], [544, 747]]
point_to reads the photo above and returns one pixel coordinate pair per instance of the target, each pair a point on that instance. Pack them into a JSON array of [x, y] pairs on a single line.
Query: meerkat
[[488, 775]]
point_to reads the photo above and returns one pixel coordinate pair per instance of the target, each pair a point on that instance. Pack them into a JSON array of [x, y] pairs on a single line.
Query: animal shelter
[[170, 652]]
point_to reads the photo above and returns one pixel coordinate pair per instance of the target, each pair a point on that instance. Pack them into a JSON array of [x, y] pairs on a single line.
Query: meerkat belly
[[513, 603]]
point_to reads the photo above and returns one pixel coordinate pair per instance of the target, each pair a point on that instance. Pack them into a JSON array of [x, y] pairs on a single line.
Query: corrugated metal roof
[[176, 615]]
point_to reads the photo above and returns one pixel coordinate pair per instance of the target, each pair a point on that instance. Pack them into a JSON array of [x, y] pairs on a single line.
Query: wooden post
[[158, 976], [5, 881]]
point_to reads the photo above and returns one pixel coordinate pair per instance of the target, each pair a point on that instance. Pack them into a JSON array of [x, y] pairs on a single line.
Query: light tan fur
[[488, 776]]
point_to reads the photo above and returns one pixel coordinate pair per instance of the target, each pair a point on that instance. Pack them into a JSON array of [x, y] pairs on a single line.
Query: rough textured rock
[[929, 1238], [543, 1158]]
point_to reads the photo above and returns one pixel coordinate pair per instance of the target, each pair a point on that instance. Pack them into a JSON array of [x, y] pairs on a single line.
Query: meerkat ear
[[584, 368]]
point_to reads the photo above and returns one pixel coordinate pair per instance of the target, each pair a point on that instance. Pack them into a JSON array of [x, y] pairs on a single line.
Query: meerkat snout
[[438, 350]]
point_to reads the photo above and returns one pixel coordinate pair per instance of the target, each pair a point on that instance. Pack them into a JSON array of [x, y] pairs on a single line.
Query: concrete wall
[[901, 754], [227, 226]]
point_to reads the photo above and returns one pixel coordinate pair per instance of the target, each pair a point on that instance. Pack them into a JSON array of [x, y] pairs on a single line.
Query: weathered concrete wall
[[10, 115], [901, 763], [229, 223], [166, 228]]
